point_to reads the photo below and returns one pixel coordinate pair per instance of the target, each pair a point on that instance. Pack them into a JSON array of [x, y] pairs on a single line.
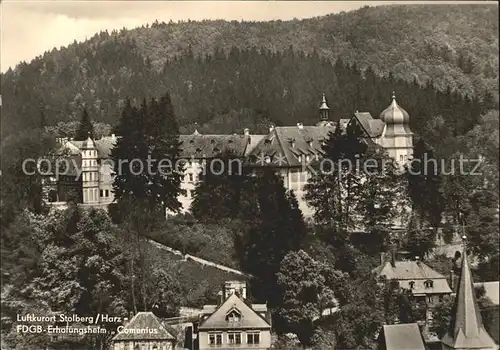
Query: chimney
[[271, 128], [382, 256], [221, 297], [246, 131], [417, 259], [452, 275], [113, 136], [300, 125]]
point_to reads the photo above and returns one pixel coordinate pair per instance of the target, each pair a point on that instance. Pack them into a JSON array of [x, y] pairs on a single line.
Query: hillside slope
[[455, 46], [423, 41]]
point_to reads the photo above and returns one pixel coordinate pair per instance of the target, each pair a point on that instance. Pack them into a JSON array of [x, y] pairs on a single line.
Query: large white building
[[287, 149]]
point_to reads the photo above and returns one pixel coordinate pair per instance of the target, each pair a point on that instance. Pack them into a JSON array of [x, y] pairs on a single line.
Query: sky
[[29, 28]]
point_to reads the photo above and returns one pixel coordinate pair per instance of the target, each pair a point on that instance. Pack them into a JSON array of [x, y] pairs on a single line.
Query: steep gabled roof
[[249, 318], [209, 146], [403, 336], [291, 142], [144, 326], [466, 329], [407, 270], [372, 127]]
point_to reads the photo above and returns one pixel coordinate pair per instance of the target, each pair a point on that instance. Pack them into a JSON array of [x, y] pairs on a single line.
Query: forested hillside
[[229, 75]]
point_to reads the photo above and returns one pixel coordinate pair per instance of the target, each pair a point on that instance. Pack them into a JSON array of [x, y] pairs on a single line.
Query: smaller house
[[234, 323], [425, 284], [143, 332], [401, 336]]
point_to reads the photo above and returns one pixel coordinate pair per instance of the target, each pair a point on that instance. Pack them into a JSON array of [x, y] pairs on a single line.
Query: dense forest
[[229, 75]]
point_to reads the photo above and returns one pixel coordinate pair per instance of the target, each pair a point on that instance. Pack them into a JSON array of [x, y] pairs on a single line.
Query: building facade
[[234, 323], [287, 149], [426, 285]]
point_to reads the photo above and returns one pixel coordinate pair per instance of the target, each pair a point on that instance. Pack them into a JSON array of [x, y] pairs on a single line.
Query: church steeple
[[466, 329], [324, 110]]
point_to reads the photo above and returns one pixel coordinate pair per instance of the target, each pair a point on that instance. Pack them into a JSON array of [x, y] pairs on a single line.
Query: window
[[233, 317], [401, 157], [429, 299], [107, 193], [215, 339], [429, 284], [234, 338], [412, 284], [101, 193], [190, 177], [253, 338]]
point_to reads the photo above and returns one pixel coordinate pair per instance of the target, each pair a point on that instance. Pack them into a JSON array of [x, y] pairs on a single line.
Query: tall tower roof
[[466, 329], [324, 106], [88, 143], [394, 114]]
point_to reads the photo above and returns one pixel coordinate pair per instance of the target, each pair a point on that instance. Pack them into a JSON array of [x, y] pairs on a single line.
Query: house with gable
[[234, 323], [424, 283]]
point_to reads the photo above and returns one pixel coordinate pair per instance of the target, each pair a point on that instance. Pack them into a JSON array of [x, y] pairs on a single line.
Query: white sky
[[29, 28]]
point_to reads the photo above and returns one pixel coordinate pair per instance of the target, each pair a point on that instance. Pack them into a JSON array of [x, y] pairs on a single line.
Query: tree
[[43, 119], [308, 287], [224, 193], [86, 128], [80, 268], [279, 229], [419, 241], [146, 156], [381, 202], [335, 184], [481, 224], [22, 179], [162, 132], [425, 187]]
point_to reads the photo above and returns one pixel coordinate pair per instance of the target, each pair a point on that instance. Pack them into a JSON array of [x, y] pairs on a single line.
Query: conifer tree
[[335, 184], [145, 156], [86, 127], [224, 192], [162, 132], [425, 186], [279, 229], [43, 119]]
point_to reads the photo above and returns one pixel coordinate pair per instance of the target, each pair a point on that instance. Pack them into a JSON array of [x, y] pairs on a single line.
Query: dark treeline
[[222, 92]]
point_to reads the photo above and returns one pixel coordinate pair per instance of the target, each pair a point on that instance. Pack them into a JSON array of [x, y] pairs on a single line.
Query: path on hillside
[[197, 259]]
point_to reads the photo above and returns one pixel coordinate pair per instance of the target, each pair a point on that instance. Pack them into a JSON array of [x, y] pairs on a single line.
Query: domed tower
[[324, 112], [397, 137], [90, 172]]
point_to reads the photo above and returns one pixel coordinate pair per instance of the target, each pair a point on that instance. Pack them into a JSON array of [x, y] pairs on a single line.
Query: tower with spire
[[466, 330], [397, 138], [324, 112], [90, 172]]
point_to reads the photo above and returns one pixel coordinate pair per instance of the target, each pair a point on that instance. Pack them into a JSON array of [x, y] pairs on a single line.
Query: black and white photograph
[[249, 175]]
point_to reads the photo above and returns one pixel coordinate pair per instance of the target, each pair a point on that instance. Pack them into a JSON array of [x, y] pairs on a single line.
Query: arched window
[[412, 284], [429, 284]]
